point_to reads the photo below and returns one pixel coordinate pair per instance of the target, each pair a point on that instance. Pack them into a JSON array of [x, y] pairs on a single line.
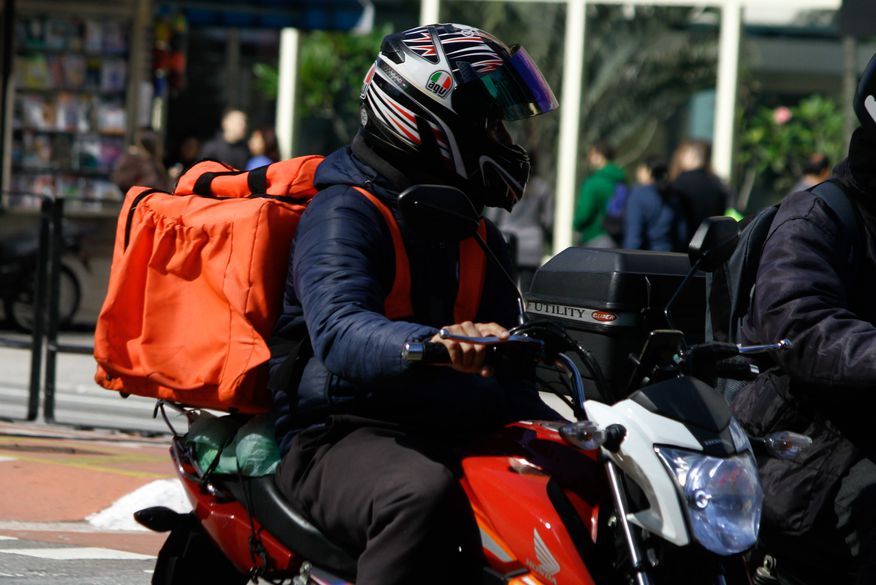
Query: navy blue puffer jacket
[[341, 269]]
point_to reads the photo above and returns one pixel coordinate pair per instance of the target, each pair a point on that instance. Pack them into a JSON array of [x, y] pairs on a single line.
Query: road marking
[[17, 526], [77, 554], [2, 458], [7, 537], [104, 462]]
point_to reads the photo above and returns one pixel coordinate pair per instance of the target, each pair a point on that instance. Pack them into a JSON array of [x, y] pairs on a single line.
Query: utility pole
[[8, 23]]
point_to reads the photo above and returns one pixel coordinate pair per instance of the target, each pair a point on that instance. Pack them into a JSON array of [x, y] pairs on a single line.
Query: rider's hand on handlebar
[[470, 358]]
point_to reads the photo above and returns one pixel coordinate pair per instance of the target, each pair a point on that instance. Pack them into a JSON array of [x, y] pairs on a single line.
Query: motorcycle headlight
[[722, 496]]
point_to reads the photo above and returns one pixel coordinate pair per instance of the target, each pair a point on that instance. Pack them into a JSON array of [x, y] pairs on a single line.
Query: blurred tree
[[643, 65], [267, 80], [776, 141], [332, 66]]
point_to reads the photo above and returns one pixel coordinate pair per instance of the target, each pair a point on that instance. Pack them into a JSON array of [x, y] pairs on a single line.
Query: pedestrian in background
[[141, 164], [816, 170], [595, 193], [187, 155], [703, 192], [263, 148], [229, 146], [655, 217]]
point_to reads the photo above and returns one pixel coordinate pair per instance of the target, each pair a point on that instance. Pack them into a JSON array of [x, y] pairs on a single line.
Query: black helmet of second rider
[[436, 98]]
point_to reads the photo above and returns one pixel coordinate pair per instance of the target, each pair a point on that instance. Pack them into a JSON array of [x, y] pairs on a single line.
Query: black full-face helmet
[[435, 101]]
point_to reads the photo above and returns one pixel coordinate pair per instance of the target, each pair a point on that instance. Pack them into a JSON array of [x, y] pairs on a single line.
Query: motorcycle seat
[[265, 502]]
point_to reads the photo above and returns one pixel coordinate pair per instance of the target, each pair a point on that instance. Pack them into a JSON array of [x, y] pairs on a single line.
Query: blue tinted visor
[[519, 88]]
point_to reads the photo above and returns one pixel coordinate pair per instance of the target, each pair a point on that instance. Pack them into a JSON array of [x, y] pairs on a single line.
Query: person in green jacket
[[594, 194]]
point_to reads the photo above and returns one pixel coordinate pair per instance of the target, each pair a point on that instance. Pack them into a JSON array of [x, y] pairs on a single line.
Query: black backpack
[[730, 288], [613, 221]]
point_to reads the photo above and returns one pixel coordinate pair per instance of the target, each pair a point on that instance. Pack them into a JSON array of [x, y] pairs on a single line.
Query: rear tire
[[190, 556], [19, 306]]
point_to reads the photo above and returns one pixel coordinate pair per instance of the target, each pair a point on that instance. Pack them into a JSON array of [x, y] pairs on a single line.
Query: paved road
[[27, 562], [67, 499]]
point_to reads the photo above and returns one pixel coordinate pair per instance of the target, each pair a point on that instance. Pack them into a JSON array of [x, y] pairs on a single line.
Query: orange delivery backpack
[[196, 284]]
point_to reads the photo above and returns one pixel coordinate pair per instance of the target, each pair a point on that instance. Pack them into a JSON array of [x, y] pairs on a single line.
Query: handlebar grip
[[425, 352], [714, 350]]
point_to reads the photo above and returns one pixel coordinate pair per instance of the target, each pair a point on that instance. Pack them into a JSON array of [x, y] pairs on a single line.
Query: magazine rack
[[70, 114]]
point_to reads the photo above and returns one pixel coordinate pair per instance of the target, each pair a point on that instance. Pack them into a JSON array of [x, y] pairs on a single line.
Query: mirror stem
[[666, 310], [520, 305]]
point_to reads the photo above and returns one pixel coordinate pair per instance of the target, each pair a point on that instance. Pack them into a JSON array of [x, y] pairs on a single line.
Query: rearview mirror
[[713, 243], [439, 211]]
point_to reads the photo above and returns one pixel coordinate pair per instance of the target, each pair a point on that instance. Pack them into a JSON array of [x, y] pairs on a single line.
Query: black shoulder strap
[[836, 198], [257, 180]]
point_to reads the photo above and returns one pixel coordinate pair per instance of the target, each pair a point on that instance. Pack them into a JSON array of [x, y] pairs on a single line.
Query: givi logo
[[603, 316]]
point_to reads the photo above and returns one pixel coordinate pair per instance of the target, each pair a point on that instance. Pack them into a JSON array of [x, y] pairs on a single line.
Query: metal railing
[[45, 324]]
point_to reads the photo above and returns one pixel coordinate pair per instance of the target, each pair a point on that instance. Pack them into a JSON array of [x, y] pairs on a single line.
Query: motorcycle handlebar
[[716, 350], [429, 353], [781, 345], [425, 352]]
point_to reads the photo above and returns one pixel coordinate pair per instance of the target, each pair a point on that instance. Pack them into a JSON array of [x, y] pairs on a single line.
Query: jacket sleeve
[[342, 268], [802, 294]]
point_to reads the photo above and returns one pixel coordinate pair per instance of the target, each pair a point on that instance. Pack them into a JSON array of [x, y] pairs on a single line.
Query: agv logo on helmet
[[440, 83]]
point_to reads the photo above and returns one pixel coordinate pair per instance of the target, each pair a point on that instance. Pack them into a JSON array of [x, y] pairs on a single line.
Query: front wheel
[[19, 306]]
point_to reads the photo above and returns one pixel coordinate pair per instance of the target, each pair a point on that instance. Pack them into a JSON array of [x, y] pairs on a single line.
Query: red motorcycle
[[658, 486]]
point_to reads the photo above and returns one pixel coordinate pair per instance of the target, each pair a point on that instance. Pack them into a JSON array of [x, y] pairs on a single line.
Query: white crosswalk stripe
[[77, 553], [68, 553]]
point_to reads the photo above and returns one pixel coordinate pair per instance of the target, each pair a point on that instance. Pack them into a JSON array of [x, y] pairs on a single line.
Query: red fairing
[[508, 487], [227, 523]]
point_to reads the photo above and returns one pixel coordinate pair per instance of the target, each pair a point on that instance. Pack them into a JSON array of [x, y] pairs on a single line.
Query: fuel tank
[[536, 500]]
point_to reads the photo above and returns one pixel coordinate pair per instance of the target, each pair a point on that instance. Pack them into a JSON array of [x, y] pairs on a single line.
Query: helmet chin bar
[[500, 187]]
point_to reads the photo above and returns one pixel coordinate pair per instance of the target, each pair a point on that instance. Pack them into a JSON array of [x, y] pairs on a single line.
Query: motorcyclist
[[370, 442], [814, 286]]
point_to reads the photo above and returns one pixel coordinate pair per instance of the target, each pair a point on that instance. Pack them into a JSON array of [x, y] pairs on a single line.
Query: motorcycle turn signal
[[782, 444], [587, 435]]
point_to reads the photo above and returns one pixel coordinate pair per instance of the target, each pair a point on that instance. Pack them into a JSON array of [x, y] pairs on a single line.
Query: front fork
[[639, 566]]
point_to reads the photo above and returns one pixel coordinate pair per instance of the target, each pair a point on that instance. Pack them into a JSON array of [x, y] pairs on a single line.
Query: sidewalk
[[53, 478]]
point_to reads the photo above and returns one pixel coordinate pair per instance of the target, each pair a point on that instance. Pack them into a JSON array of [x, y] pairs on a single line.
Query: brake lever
[[782, 345], [492, 340]]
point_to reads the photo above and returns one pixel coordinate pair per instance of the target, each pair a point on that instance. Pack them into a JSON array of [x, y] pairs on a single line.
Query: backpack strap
[[290, 180], [257, 180], [838, 200], [472, 271], [398, 303]]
